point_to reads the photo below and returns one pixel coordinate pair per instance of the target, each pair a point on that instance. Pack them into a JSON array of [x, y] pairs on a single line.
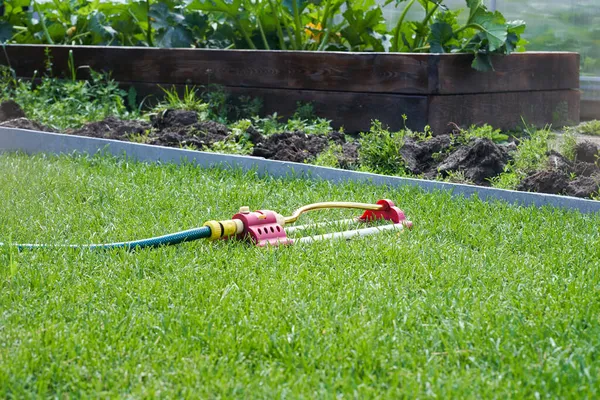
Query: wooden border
[[348, 88]]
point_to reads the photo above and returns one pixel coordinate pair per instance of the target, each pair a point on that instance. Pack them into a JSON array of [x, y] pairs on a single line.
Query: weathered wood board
[[349, 88]]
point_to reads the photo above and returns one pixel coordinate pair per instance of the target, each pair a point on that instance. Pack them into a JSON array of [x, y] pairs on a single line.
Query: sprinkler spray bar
[[265, 227]]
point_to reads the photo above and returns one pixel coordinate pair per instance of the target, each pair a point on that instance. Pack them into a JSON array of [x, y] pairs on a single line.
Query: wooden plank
[[353, 111], [504, 110], [514, 73], [590, 110], [337, 71]]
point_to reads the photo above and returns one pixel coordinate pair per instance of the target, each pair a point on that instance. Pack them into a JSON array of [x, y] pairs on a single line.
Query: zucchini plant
[[317, 25]]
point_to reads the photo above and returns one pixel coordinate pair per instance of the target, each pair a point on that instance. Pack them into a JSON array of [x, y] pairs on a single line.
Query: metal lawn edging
[[31, 142]]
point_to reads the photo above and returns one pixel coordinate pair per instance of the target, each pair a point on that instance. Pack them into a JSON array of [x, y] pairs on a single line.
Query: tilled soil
[[440, 156]]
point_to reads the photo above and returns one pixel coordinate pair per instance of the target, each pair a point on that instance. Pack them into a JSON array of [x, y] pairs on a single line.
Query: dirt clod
[[558, 162], [112, 128], [197, 135], [586, 152], [174, 118], [549, 181], [479, 160], [9, 110], [291, 146], [584, 186], [24, 123], [418, 156], [585, 169]]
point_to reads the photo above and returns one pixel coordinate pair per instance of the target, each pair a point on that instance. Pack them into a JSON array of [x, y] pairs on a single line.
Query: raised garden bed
[[351, 89]]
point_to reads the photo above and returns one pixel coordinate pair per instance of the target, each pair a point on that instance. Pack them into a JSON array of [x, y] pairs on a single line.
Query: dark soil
[[439, 156], [561, 176], [10, 110], [24, 123], [198, 134], [419, 158], [479, 160], [112, 128]]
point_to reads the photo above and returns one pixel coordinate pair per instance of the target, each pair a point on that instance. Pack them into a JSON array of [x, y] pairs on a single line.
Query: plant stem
[[469, 25], [396, 38], [43, 22], [325, 18], [149, 20], [279, 31], [418, 42], [297, 22], [262, 33], [246, 36], [288, 29], [324, 41]]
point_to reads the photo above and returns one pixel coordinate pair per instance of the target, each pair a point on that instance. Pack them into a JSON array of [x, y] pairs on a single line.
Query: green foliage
[[531, 155], [380, 150], [230, 147], [586, 128], [568, 145], [457, 177], [189, 101], [330, 156], [341, 25], [485, 132], [62, 104]]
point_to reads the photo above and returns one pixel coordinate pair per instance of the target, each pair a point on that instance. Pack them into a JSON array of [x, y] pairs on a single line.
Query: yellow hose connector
[[222, 229]]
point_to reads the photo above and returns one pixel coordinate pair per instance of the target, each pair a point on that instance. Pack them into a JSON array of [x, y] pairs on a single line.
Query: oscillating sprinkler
[[266, 227]]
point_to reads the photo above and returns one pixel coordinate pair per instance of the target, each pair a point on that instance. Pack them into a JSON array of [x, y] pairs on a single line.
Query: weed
[[531, 155], [247, 107], [586, 128], [380, 150], [304, 111], [330, 156], [267, 125], [485, 132], [140, 138], [568, 145], [457, 177], [316, 126], [230, 147], [218, 101], [62, 104], [190, 101]]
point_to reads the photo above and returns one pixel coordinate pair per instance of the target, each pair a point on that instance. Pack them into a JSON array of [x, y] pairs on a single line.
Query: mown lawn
[[478, 300]]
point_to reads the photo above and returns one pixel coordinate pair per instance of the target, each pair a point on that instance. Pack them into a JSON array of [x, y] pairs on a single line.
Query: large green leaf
[[441, 32], [230, 7], [6, 31], [174, 36], [494, 26]]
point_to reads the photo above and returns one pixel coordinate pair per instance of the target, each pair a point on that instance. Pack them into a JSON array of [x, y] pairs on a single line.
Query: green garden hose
[[166, 240]]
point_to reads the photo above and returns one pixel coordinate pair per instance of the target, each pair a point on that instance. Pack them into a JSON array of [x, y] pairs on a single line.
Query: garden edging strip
[[31, 142]]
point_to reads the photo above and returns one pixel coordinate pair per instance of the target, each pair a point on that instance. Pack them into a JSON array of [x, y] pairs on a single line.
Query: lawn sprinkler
[[266, 227]]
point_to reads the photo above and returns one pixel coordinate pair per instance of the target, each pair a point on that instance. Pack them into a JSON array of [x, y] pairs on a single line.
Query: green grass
[[479, 300]]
